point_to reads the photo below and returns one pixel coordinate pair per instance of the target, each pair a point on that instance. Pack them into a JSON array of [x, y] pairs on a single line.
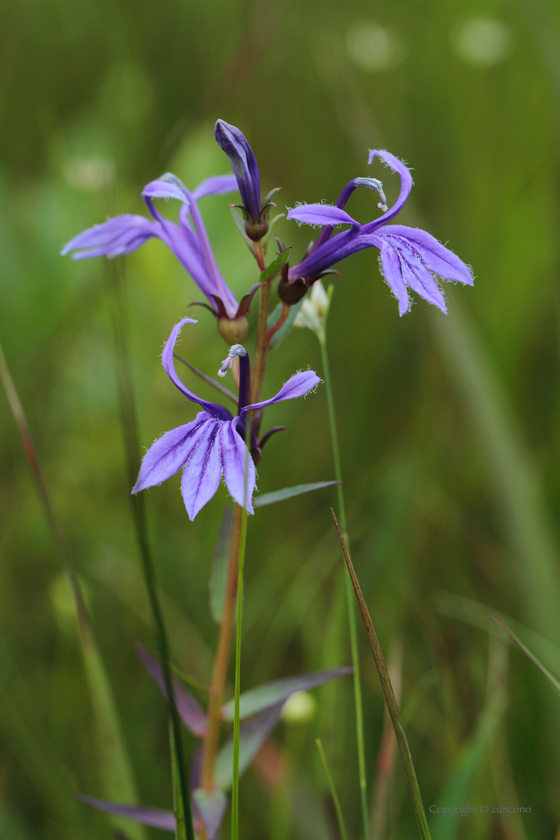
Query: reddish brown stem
[[221, 662], [281, 320]]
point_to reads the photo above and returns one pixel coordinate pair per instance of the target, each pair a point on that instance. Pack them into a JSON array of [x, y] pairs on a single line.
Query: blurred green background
[[449, 427]]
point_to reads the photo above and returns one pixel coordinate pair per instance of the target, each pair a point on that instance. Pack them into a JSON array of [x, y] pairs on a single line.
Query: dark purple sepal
[[189, 711], [266, 437]]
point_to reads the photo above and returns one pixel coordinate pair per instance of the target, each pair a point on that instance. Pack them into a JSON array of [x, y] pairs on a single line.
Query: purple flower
[[409, 257], [244, 164], [213, 444], [188, 240]]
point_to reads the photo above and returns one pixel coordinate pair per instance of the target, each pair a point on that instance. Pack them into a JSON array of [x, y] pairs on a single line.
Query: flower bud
[[291, 293], [314, 309], [300, 707], [233, 330]]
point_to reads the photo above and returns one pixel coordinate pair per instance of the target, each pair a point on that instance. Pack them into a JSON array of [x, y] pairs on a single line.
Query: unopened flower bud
[[314, 309], [300, 707]]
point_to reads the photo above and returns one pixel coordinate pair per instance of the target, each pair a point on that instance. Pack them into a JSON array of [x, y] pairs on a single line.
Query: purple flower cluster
[[213, 444]]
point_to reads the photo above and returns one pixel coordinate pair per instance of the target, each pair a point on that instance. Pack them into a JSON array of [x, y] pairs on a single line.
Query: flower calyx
[[233, 329]]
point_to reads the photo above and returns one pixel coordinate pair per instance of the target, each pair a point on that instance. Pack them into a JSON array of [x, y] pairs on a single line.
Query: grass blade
[[390, 698], [334, 794], [552, 680], [114, 765], [115, 283]]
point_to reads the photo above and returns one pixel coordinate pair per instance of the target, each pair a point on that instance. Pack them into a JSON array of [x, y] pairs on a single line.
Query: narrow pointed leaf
[[272, 693], [218, 578], [137, 813], [252, 736], [334, 794], [211, 806], [275, 267], [189, 711], [288, 492]]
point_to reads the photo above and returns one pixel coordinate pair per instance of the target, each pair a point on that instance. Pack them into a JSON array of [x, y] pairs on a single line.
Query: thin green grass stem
[[130, 431], [388, 692], [322, 337], [242, 544], [334, 794]]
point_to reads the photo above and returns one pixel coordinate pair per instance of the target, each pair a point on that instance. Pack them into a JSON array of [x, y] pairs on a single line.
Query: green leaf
[[252, 736], [115, 770], [288, 492], [270, 694], [218, 578], [281, 334], [275, 267]]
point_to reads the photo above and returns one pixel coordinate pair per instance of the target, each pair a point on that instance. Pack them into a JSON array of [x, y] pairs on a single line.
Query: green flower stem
[[322, 336], [221, 662], [242, 544], [115, 282], [390, 698]]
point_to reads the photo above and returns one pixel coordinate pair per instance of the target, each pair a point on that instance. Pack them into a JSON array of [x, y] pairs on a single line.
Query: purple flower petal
[[234, 454], [391, 270], [168, 454], [145, 816], [434, 255], [165, 187], [297, 386], [217, 282], [402, 262], [321, 214], [203, 469], [406, 185], [216, 185], [336, 248], [169, 367], [234, 143], [120, 235]]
